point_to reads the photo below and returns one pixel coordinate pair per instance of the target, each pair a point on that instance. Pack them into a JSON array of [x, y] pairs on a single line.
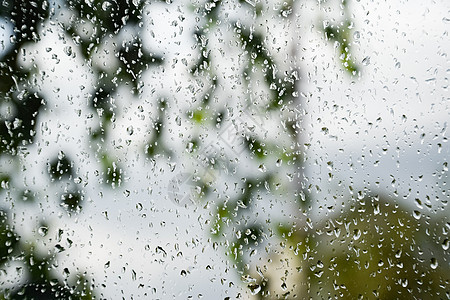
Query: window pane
[[223, 149]]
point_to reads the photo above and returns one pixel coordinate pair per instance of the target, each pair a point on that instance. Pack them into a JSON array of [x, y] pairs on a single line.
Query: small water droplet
[[68, 50], [337, 232], [279, 162], [61, 155], [130, 130], [366, 61]]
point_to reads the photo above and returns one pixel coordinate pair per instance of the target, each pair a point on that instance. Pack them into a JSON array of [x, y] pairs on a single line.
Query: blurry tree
[[247, 96]]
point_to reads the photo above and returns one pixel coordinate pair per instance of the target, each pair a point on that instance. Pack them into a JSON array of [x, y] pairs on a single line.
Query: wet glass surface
[[224, 149]]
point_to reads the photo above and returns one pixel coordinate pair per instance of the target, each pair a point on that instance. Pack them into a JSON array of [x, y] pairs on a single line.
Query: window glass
[[224, 149]]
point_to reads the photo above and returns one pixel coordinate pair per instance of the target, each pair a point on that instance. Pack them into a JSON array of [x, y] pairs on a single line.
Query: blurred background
[[224, 149]]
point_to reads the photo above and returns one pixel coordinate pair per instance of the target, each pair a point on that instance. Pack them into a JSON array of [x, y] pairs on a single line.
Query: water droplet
[[404, 282], [68, 50], [279, 162], [356, 234], [106, 5], [434, 263], [254, 288], [337, 232], [417, 214], [366, 61], [190, 147], [61, 155], [418, 203], [43, 230], [320, 264], [376, 209], [130, 130], [446, 244], [309, 223]]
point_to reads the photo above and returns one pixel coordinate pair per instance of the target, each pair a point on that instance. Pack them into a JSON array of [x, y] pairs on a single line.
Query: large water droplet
[[106, 5], [434, 263], [446, 244], [43, 230]]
